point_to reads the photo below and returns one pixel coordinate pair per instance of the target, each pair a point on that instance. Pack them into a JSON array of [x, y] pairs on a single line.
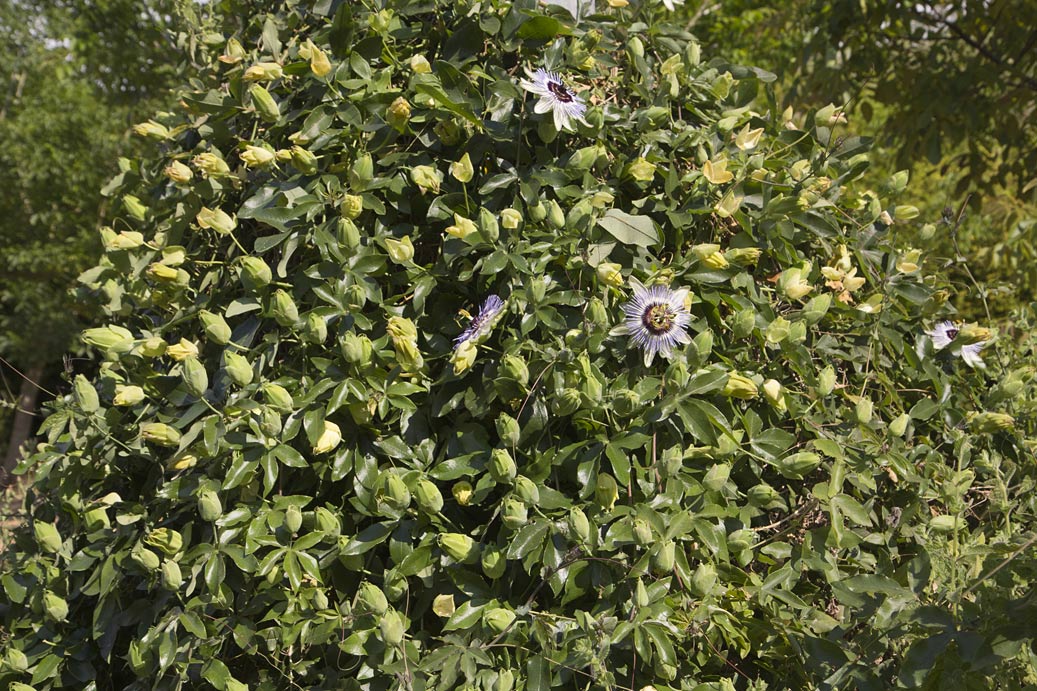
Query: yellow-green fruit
[[238, 368], [396, 493], [145, 558], [85, 394], [493, 561], [502, 466], [171, 575], [555, 215], [348, 234], [159, 433], [606, 491], [55, 606], [429, 498], [327, 522], [459, 547], [514, 513], [47, 536], [642, 531], [498, 619], [373, 599], [283, 309], [863, 410], [209, 506], [166, 540], [537, 212], [278, 398], [566, 402], [515, 367], [508, 429], [526, 490], [216, 327], [899, 425], [292, 518], [316, 329], [196, 380], [255, 273], [392, 628], [579, 525], [664, 558]]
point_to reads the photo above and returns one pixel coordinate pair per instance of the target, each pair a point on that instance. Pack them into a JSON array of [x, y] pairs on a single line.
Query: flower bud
[[398, 114], [493, 562], [263, 72], [351, 207], [405, 342], [184, 350], [765, 497], [826, 381], [167, 541], [579, 526], [304, 160], [113, 339], [502, 466], [863, 410], [395, 492], [514, 513], [508, 429], [797, 465], [256, 156], [908, 262], [664, 558], [462, 170], [126, 240], [510, 218], [292, 518], [210, 165], [126, 396], [159, 433], [372, 599], [566, 402], [641, 170], [233, 53], [255, 273], [743, 256], [277, 397], [427, 178], [216, 327], [419, 64], [610, 274], [269, 421], [641, 531], [327, 522], [320, 65], [178, 172], [283, 309], [489, 229], [162, 273], [348, 234], [316, 329], [899, 425], [514, 366], [400, 251], [498, 619], [971, 333], [429, 498], [555, 215], [238, 368], [989, 423], [392, 628], [134, 207], [606, 491], [264, 104], [152, 347], [172, 577], [85, 394], [151, 130], [145, 558], [329, 438], [209, 506], [793, 284], [739, 386], [195, 378], [356, 348], [775, 394], [459, 547]]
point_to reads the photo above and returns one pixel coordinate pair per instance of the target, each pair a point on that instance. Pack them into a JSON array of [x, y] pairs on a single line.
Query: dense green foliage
[[285, 477]]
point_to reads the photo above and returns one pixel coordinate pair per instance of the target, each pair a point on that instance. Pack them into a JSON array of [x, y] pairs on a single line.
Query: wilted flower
[[128, 395], [233, 53], [743, 256], [405, 341], [215, 219], [710, 255], [792, 282], [183, 350], [319, 63], [462, 228], [152, 130], [400, 251], [656, 319], [739, 386], [263, 72], [462, 170], [178, 172], [610, 274], [427, 178], [748, 139], [717, 173], [210, 164], [555, 97], [482, 323], [420, 65], [126, 240], [961, 342], [398, 113], [908, 262], [329, 438]]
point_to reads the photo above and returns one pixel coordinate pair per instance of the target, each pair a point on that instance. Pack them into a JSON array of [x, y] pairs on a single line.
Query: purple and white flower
[[944, 334], [555, 97], [483, 322], [656, 319]]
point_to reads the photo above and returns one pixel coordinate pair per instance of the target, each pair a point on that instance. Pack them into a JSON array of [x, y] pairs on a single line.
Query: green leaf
[[368, 538], [639, 231]]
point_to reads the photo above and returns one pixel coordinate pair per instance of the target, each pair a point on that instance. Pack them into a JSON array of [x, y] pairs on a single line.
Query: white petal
[[543, 105], [561, 119]]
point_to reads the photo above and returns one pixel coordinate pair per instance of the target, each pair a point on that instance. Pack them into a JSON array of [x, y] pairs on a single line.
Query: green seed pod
[[304, 160], [255, 273], [864, 410], [498, 619], [283, 309], [514, 513], [216, 327], [514, 367], [566, 402], [327, 522], [637, 48], [372, 599], [166, 540], [85, 394], [508, 429], [348, 234], [145, 558], [238, 368], [316, 329], [826, 381], [626, 402], [740, 539], [703, 580], [815, 310], [209, 506], [356, 348], [292, 518], [579, 526], [502, 466], [172, 578], [264, 103], [493, 561], [47, 536], [196, 380], [489, 229], [55, 606], [527, 490], [716, 477], [278, 398], [429, 498], [392, 628], [664, 558], [159, 433], [17, 661], [641, 598], [642, 531], [537, 212], [743, 323], [459, 547], [798, 464], [555, 215], [765, 497]]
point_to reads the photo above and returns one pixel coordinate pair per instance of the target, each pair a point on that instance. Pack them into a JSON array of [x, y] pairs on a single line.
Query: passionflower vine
[[555, 97], [483, 322], [656, 319], [947, 334]]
